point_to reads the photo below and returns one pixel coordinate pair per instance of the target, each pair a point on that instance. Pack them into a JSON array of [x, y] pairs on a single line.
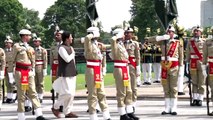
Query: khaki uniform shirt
[[9, 59], [41, 55]]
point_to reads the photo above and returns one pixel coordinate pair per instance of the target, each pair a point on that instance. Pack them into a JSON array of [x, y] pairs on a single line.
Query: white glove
[[44, 72], [11, 78], [32, 72], [104, 71], [1, 75], [138, 70], [204, 70], [110, 55], [163, 37]]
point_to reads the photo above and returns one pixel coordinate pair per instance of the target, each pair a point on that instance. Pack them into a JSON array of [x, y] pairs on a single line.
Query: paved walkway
[[145, 91]]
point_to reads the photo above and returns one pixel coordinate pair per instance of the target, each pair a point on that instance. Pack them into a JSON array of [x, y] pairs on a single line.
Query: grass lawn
[[80, 83]]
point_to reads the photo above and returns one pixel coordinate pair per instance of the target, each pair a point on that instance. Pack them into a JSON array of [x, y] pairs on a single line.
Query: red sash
[[169, 64], [193, 61], [124, 72], [132, 61], [97, 73], [210, 69], [21, 67]]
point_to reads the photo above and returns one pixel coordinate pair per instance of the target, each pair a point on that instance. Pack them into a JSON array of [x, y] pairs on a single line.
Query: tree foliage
[[68, 15], [144, 16], [11, 21]]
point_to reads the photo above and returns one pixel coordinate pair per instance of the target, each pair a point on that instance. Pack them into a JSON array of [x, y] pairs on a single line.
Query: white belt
[[120, 64], [194, 56], [55, 61], [170, 58], [210, 60], [39, 63], [93, 63]]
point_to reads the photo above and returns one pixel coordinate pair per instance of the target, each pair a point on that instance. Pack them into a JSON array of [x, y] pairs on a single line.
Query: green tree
[[11, 20], [144, 16], [68, 15]]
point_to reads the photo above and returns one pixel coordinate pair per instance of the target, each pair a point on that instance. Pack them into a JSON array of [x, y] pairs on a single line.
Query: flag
[[91, 10], [166, 11]]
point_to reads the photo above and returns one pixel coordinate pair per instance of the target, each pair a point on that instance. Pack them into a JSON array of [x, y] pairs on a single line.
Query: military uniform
[[9, 76], [132, 48], [40, 68], [170, 67], [24, 58], [93, 74], [194, 57], [121, 75], [157, 63], [2, 72], [208, 59], [146, 53]]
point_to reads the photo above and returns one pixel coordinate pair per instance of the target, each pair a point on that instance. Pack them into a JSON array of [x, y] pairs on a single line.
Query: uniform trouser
[[133, 80], [124, 93], [95, 95], [198, 82], [170, 84], [32, 95], [10, 87], [147, 68], [157, 71], [211, 86], [39, 82], [1, 82]]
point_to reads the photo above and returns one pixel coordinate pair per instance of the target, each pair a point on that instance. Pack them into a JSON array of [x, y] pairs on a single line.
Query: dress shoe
[[27, 108], [148, 83], [210, 114], [145, 83], [56, 112], [194, 103], [173, 113], [9, 101], [40, 118], [199, 103], [125, 117], [181, 93], [71, 115], [156, 81], [164, 113], [132, 115], [138, 85]]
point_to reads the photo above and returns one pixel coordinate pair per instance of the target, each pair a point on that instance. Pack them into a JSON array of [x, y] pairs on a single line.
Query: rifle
[[3, 91], [189, 81], [207, 92]]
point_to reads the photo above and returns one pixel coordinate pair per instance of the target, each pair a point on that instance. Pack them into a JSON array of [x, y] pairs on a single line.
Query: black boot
[[173, 113], [132, 115], [181, 93], [199, 102], [164, 113], [40, 118], [27, 108], [125, 117], [194, 103]]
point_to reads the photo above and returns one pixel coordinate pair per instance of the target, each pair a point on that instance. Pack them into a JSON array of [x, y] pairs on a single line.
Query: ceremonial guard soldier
[[9, 76], [132, 48], [146, 53], [24, 58], [121, 75], [208, 59], [157, 63], [93, 74], [172, 58], [2, 72], [40, 67], [194, 56]]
